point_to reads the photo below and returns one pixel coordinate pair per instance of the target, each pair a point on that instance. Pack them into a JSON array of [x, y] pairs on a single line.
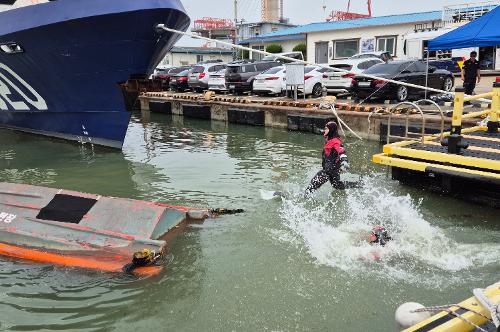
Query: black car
[[179, 82], [239, 77], [413, 72]]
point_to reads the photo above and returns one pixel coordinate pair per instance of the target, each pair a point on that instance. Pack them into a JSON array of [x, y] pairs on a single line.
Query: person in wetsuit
[[334, 162]]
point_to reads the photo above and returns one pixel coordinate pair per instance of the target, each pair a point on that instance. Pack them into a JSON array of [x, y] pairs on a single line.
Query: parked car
[[341, 82], [405, 71], [384, 56], [179, 82], [200, 73], [271, 81], [217, 81], [165, 74], [313, 81], [239, 77], [275, 57]]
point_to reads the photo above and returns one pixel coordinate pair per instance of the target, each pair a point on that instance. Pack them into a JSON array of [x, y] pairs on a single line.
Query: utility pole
[[236, 21]]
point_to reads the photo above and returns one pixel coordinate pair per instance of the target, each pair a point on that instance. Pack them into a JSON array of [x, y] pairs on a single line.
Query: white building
[[182, 56], [330, 41]]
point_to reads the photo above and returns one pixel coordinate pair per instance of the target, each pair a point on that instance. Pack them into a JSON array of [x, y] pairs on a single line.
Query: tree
[[274, 48], [301, 48]]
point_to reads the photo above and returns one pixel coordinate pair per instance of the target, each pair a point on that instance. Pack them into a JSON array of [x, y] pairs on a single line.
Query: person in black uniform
[[334, 162], [471, 73]]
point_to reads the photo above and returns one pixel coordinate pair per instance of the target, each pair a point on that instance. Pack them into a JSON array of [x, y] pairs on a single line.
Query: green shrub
[[274, 48], [301, 48]]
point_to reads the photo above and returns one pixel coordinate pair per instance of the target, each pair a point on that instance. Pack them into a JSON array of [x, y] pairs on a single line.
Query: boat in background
[[74, 229], [62, 63]]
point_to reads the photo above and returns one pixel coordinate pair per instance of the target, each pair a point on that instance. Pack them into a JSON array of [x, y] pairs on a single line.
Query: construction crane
[[336, 15]]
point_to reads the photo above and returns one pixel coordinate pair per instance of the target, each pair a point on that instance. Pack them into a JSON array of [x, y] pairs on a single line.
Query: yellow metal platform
[[462, 162], [480, 160]]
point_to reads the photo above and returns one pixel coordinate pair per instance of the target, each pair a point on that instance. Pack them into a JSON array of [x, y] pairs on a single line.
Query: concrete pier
[[305, 116]]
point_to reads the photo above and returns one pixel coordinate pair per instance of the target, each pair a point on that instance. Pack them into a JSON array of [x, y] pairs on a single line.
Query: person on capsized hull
[[334, 162]]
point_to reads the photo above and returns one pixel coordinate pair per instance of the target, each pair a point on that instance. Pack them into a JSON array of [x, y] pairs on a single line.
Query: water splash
[[334, 231]]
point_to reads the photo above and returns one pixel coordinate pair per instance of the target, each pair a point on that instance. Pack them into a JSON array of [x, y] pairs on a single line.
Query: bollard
[[495, 108], [454, 141]]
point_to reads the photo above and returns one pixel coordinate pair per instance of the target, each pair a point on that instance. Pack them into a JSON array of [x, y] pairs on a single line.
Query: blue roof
[[356, 23]]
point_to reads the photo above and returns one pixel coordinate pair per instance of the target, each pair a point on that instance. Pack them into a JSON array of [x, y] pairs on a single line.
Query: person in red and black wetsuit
[[334, 162]]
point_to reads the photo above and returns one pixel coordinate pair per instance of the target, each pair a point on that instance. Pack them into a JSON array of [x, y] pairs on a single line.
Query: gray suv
[[239, 77], [200, 73]]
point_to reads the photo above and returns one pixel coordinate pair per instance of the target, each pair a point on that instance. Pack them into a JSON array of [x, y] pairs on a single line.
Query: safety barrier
[[454, 140]]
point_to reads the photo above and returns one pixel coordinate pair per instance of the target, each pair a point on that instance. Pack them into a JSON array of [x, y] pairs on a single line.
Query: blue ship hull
[[75, 53]]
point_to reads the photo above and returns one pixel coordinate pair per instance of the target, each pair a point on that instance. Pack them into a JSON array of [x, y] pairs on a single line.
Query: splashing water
[[334, 232]]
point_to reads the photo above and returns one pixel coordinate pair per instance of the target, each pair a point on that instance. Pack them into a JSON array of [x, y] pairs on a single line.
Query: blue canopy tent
[[483, 31]]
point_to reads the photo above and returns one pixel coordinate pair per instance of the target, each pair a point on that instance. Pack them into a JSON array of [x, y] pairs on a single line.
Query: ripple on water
[[41, 297], [334, 230]]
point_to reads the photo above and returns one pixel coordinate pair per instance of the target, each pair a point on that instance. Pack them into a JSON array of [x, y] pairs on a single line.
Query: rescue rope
[[446, 308], [494, 309], [221, 211]]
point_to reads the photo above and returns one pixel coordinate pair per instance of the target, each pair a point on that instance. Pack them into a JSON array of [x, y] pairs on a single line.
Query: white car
[[217, 81], [313, 81], [271, 81], [340, 82], [199, 74], [382, 55]]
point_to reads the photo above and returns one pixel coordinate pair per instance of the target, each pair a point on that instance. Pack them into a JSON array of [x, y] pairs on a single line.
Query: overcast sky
[[304, 11]]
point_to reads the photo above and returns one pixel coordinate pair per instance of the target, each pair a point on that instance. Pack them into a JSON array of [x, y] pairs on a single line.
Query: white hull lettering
[[7, 86]]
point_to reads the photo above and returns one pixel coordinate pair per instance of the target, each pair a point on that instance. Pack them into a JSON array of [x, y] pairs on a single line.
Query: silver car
[[200, 73]]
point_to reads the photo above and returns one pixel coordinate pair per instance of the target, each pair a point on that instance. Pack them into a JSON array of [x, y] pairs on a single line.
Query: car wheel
[[448, 84], [402, 93], [317, 90]]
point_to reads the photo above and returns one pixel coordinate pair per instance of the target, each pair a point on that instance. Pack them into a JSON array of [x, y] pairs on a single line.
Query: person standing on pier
[[471, 73], [334, 162]]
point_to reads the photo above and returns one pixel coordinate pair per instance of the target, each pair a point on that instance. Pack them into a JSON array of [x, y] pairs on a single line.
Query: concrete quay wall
[[368, 125]]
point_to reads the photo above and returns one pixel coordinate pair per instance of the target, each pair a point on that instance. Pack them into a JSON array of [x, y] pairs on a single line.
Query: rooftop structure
[[215, 28]]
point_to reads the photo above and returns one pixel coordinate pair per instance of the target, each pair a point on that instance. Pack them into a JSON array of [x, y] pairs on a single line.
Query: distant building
[[404, 35], [182, 56], [247, 31]]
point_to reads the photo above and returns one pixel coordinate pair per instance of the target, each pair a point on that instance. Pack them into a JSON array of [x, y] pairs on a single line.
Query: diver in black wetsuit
[[334, 162]]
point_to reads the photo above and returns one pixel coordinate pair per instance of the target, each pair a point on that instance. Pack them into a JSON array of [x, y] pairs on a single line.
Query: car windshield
[[183, 73], [233, 69], [386, 68], [273, 70], [309, 69], [198, 69]]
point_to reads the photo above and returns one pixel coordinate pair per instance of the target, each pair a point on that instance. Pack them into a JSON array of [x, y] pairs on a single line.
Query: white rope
[[494, 309], [341, 122], [192, 35], [446, 308]]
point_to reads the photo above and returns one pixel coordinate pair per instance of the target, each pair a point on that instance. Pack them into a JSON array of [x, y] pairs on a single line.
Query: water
[[289, 264]]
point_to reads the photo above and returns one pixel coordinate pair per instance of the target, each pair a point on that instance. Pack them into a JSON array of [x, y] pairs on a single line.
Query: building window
[[387, 44], [345, 48], [257, 56], [199, 58]]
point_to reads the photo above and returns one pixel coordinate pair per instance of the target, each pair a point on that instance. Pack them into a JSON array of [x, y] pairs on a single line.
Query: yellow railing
[[493, 112]]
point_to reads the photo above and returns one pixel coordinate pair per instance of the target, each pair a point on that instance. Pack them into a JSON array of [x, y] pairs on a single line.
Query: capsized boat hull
[[75, 229]]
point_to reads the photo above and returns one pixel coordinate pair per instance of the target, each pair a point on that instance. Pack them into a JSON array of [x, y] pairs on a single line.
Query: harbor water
[[291, 264]]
